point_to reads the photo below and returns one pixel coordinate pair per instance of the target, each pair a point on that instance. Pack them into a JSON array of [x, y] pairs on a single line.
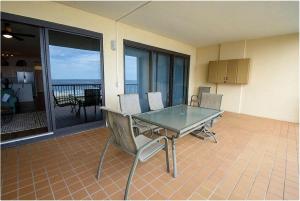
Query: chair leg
[[174, 157], [167, 155], [133, 167], [102, 157], [210, 134]]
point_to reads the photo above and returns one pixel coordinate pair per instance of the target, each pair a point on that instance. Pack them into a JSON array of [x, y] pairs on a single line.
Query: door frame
[[44, 26]]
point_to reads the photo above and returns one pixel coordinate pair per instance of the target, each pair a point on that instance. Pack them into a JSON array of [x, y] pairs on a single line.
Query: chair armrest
[[153, 142], [137, 123], [194, 96], [192, 99]]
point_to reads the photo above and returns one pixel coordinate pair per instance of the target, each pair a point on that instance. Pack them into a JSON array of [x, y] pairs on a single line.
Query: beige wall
[[273, 86], [113, 68]]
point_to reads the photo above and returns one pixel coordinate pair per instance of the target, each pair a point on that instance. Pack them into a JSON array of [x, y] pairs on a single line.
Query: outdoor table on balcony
[[180, 119]]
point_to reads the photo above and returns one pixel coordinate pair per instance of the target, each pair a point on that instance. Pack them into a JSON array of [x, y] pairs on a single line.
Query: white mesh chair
[[130, 104], [155, 100], [123, 137], [211, 101]]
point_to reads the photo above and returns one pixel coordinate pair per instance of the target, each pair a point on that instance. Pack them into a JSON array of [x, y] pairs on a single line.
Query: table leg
[[174, 157]]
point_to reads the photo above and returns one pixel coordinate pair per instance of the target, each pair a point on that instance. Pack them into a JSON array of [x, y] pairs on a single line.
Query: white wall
[[113, 60], [273, 86]]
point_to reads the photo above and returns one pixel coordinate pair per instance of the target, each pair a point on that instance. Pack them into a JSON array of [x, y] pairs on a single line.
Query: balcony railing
[[66, 93], [131, 88]]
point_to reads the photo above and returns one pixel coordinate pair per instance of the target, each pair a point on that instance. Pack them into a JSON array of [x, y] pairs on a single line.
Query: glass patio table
[[180, 119]]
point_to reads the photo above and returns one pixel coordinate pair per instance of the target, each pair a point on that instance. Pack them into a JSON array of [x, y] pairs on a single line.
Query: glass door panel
[[161, 76], [76, 78], [179, 81], [23, 90], [137, 74]]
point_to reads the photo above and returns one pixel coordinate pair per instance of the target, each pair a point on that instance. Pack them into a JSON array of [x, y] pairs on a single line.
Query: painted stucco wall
[[273, 87]]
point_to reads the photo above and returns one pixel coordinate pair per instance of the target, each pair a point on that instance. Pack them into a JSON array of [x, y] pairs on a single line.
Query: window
[[151, 69]]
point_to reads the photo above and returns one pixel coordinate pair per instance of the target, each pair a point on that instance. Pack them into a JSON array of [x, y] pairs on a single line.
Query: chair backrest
[[91, 97], [212, 101], [155, 100], [121, 130], [202, 90], [130, 104]]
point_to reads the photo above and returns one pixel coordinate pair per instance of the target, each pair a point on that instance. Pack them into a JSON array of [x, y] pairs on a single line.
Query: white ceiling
[[202, 23]]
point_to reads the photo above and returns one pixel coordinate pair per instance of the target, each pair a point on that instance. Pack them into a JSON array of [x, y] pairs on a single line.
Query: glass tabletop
[[180, 118]]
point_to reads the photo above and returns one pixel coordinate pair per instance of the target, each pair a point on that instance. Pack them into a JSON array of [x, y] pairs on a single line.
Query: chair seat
[[141, 140], [143, 126]]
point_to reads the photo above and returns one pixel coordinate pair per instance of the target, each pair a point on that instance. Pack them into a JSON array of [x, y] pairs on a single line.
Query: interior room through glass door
[[23, 92], [76, 77]]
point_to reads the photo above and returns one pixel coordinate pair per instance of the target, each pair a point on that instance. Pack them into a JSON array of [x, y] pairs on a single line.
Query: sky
[[131, 68], [72, 63]]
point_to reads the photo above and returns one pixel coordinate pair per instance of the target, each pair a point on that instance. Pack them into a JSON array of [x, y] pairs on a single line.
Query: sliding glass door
[[137, 74], [179, 81], [76, 78], [147, 69], [52, 79], [161, 75]]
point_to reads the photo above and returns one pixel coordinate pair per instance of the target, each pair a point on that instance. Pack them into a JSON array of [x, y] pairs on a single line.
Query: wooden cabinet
[[243, 71], [212, 71], [234, 71]]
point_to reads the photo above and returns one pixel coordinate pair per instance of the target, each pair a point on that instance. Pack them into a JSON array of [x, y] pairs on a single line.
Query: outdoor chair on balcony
[[65, 100], [196, 99], [122, 135], [155, 100], [91, 98], [211, 101], [130, 104]]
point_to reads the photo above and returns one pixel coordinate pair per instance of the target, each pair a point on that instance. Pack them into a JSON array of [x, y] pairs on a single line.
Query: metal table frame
[[179, 133]]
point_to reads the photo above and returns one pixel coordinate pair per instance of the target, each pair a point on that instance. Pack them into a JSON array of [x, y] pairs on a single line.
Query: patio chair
[[122, 136], [197, 98], [65, 100], [130, 104], [155, 100], [91, 98], [211, 101]]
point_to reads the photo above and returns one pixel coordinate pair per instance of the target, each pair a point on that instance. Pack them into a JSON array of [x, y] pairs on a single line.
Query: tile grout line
[[18, 175], [49, 182], [209, 175], [33, 180], [273, 162], [286, 150], [242, 173], [257, 171], [274, 159]]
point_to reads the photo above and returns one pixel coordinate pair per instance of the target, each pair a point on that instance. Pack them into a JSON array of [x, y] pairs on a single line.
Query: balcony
[[76, 103]]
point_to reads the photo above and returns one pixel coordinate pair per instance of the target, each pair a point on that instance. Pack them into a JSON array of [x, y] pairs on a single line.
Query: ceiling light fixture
[[7, 35]]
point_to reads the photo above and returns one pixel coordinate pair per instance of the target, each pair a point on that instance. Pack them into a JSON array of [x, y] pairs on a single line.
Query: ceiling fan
[[7, 33]]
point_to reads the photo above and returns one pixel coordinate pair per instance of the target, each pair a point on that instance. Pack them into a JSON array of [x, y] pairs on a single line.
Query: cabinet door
[[221, 71], [232, 70], [243, 71], [212, 71]]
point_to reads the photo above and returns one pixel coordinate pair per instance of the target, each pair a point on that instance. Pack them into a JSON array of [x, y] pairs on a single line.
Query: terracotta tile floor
[[254, 158]]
